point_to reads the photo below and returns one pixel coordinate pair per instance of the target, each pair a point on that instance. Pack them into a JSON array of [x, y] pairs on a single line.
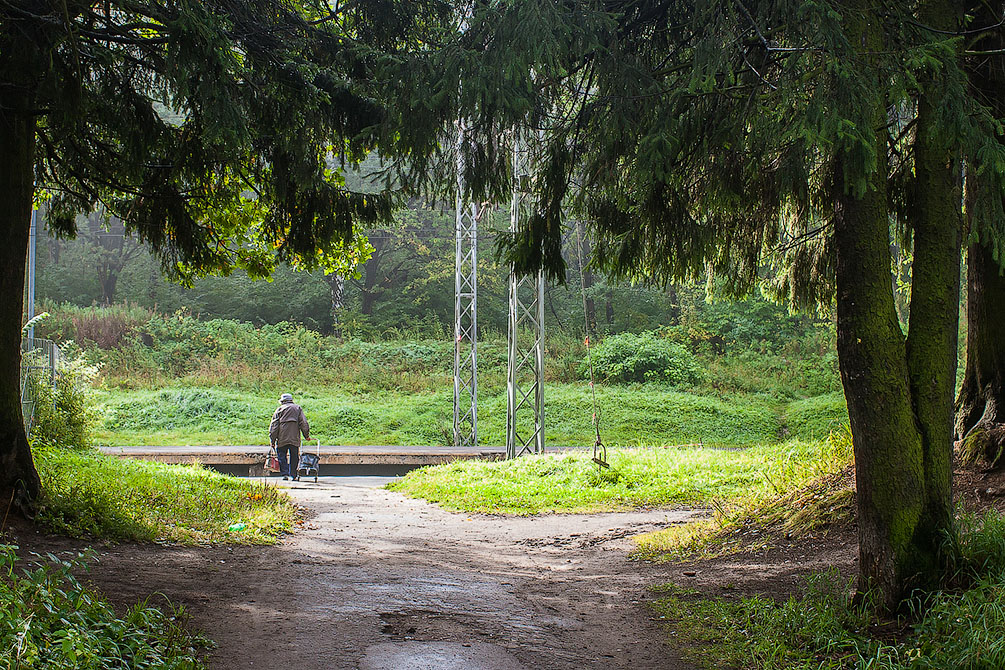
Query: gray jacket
[[288, 422]]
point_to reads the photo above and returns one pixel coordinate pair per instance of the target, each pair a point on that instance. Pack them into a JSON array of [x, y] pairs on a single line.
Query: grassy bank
[[629, 415], [639, 477], [91, 495]]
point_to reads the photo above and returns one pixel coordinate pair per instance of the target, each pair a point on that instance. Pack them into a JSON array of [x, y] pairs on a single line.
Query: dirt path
[[377, 581]]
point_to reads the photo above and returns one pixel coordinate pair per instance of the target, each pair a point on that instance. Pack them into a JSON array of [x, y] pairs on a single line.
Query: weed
[[51, 622]]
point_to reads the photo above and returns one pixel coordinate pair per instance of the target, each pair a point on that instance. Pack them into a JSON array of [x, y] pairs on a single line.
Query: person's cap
[[286, 397]]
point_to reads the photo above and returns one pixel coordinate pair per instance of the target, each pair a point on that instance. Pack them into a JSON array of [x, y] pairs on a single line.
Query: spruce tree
[[216, 130], [980, 405], [707, 135]]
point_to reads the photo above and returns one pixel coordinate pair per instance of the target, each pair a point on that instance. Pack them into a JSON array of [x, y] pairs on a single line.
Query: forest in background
[[404, 289], [201, 365]]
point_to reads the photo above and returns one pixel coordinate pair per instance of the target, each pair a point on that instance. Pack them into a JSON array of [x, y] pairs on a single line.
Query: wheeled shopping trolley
[[310, 462]]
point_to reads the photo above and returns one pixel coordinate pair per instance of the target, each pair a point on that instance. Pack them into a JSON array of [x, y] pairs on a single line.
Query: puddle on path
[[438, 656]]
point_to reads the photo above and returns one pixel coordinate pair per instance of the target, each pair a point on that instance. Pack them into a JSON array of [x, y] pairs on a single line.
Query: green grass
[[820, 503], [630, 415], [962, 626], [51, 622], [814, 418], [639, 477], [88, 494]]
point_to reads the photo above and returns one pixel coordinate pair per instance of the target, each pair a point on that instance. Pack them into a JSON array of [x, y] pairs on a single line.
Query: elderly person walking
[[288, 422]]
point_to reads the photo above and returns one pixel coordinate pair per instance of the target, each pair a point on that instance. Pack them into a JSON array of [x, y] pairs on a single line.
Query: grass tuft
[[820, 502], [821, 629]]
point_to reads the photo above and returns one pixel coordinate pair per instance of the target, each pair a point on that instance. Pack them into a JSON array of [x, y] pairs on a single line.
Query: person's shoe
[[285, 478]]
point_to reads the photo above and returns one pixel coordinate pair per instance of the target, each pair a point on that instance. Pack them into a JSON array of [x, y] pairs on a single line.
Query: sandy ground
[[376, 581]]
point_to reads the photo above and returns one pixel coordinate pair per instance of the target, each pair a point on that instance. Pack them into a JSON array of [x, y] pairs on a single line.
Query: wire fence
[[40, 360]]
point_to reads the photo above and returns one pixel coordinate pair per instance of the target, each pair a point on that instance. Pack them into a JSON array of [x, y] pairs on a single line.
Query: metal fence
[[39, 363]]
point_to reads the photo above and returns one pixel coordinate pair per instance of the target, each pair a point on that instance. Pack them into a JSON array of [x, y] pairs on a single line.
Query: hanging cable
[[599, 450]]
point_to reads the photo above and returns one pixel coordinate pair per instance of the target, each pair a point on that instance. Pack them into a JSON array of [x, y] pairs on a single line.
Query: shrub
[[106, 327], [51, 622], [644, 357], [63, 415], [89, 494]]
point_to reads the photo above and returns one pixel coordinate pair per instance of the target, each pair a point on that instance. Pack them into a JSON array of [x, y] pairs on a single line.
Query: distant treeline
[[405, 289]]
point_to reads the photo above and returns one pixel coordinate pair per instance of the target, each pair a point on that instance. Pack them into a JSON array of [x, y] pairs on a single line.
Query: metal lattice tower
[[525, 335], [465, 310]]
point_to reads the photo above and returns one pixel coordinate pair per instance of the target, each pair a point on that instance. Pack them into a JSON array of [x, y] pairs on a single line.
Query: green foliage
[[816, 417], [822, 630], [628, 357], [571, 482], [826, 500], [51, 622], [103, 327], [87, 494], [64, 415]]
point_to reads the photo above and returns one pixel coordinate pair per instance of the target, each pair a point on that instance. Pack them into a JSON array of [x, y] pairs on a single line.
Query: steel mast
[[465, 307], [525, 334]]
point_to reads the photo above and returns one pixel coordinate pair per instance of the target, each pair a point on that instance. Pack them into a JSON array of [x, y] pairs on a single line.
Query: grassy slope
[[88, 494], [629, 416], [637, 477]]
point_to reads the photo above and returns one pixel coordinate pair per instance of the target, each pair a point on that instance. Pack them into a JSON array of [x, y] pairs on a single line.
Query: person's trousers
[[289, 458]]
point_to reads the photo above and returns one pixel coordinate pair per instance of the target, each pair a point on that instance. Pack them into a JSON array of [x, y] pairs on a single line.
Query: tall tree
[[110, 249], [214, 130], [980, 405], [706, 134]]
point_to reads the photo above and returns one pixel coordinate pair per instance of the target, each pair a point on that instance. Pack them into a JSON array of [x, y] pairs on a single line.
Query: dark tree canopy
[[190, 120]]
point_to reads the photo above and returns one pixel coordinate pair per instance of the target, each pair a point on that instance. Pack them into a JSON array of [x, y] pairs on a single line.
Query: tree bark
[[336, 285], [937, 220], [19, 481], [370, 290], [899, 391], [980, 407]]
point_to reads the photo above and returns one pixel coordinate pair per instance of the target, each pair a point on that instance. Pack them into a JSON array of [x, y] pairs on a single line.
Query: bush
[[106, 327], [63, 415], [51, 622], [644, 357]]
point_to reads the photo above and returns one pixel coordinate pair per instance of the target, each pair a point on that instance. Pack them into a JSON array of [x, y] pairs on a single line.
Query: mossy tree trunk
[[980, 406], [17, 146], [899, 391]]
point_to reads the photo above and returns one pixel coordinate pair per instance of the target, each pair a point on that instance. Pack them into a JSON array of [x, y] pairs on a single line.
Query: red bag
[[272, 461]]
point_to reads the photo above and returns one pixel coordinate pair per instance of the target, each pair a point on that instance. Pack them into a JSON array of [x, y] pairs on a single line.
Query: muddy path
[[374, 581]]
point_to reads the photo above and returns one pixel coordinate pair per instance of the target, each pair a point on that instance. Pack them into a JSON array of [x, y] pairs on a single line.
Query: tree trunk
[[370, 291], [980, 406], [899, 392], [937, 220], [19, 480], [108, 278], [336, 284]]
